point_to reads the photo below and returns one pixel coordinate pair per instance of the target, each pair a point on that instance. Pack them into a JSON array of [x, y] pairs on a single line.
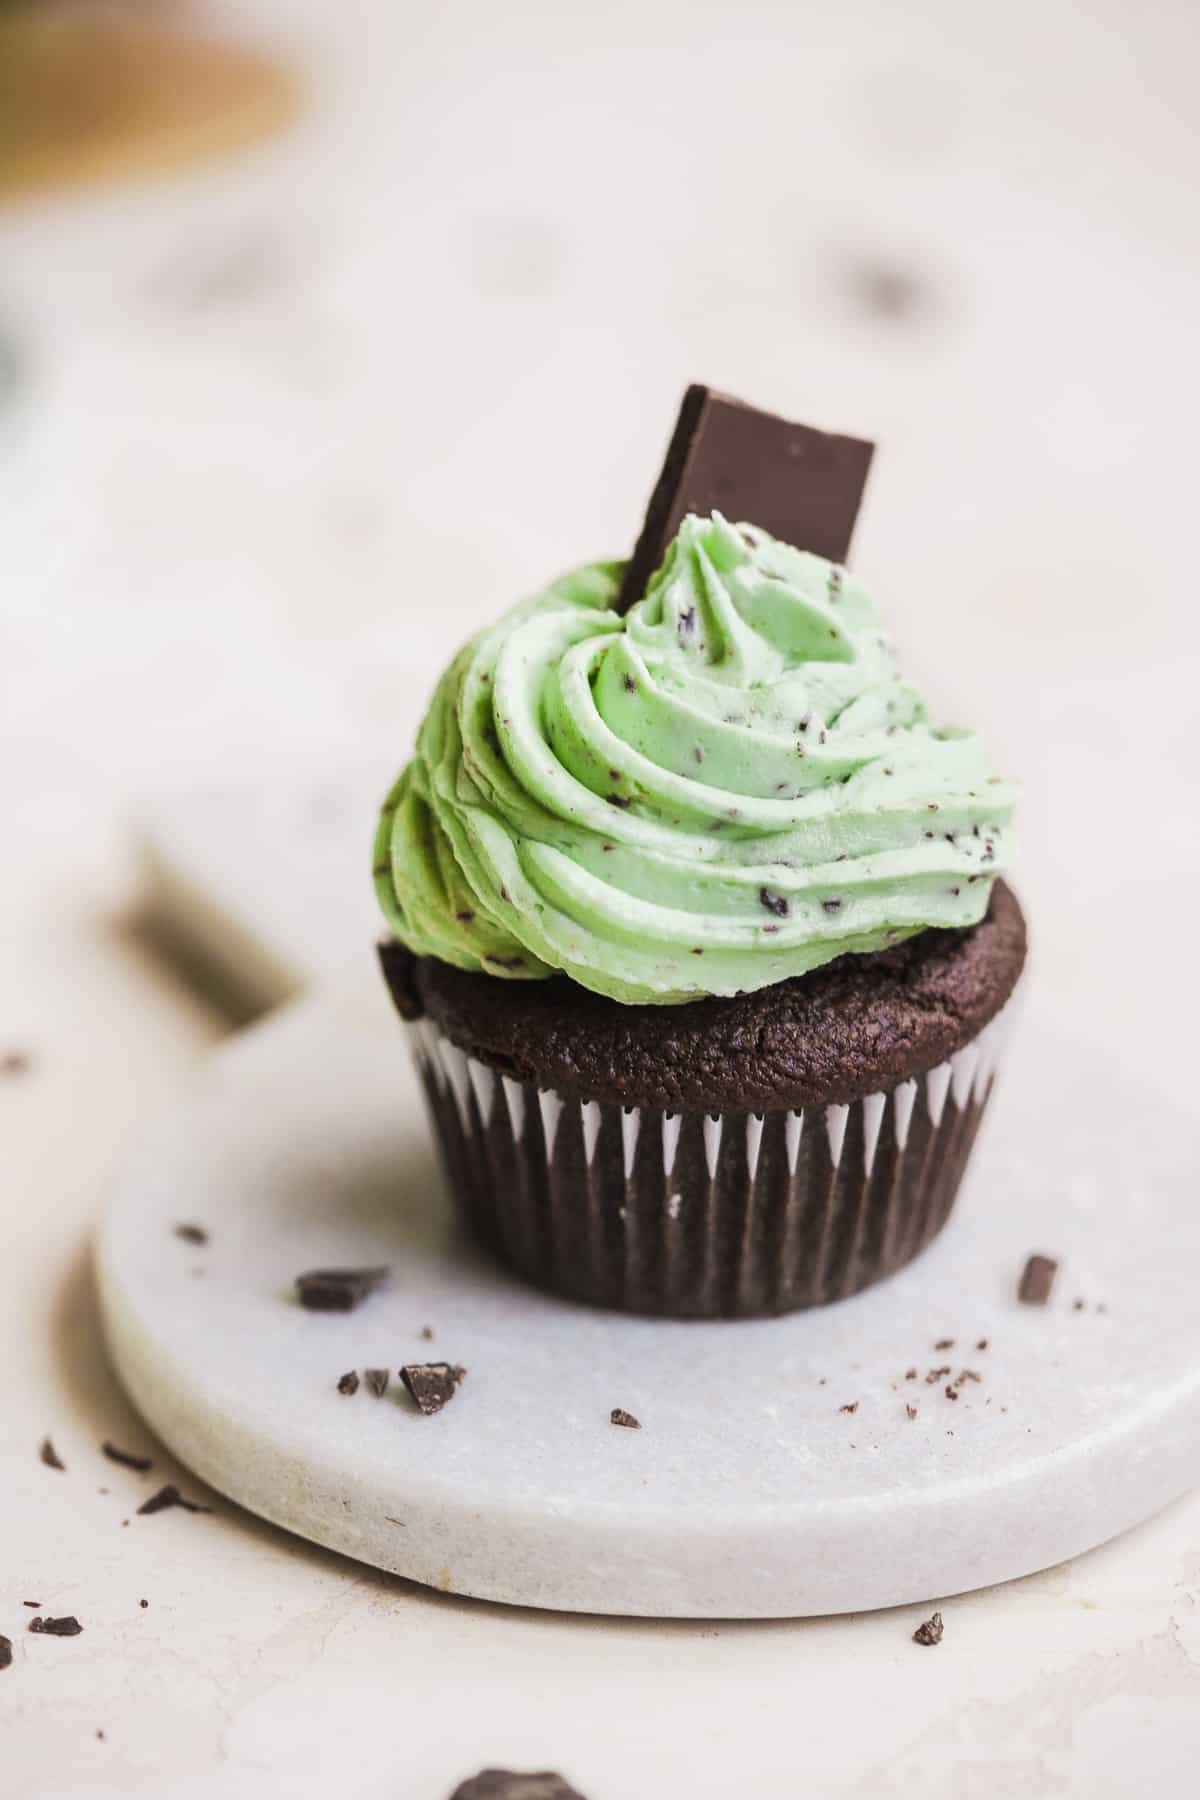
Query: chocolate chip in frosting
[[775, 903]]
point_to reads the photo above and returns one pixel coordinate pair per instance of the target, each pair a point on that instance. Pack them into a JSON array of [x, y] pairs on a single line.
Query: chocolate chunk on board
[[68, 1627], [376, 1381], [170, 1496], [1037, 1280], [801, 485], [5, 1652], [49, 1455], [337, 1290], [432, 1385], [348, 1383], [507, 1784], [930, 1632], [126, 1458], [618, 1416]]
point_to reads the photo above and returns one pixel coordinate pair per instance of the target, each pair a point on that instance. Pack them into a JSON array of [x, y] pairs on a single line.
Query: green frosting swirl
[[727, 786]]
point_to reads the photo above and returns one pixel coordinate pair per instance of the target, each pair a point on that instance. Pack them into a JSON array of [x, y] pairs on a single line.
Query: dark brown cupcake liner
[[699, 1215]]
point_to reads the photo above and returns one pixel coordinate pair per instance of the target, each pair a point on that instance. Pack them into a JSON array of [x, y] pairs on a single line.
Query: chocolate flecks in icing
[[629, 684], [775, 903], [832, 905], [621, 800]]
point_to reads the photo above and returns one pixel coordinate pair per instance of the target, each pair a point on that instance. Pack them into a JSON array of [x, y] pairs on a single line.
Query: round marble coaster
[[805, 1465]]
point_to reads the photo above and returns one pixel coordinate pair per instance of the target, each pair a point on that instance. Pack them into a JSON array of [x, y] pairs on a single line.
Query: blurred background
[[326, 331]]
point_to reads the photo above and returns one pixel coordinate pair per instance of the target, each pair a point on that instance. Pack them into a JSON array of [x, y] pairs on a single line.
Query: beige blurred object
[[92, 93]]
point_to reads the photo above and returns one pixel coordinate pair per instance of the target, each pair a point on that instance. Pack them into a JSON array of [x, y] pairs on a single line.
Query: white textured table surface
[[281, 433]]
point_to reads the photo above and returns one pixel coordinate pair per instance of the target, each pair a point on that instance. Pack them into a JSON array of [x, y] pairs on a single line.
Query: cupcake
[[699, 932]]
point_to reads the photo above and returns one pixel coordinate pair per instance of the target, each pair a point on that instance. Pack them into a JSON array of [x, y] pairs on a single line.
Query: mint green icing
[[730, 785]]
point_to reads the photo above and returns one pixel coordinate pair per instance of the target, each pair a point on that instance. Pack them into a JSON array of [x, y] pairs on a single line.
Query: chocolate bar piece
[[432, 1385], [801, 485], [1037, 1280], [337, 1290]]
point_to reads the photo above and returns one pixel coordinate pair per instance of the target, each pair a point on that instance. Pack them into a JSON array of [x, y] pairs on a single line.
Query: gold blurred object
[[90, 95]]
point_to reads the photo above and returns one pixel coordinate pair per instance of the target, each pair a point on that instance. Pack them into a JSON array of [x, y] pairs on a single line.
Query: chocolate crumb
[[966, 1375], [432, 1385], [99, 1734], [34, 1605], [50, 1456], [68, 1627], [170, 1496], [774, 903], [618, 1416], [338, 1290], [850, 1407], [1077, 1305], [126, 1458], [5, 1652], [910, 1374], [1037, 1280], [377, 1381], [427, 1333], [621, 800], [930, 1632], [911, 1411], [465, 917], [832, 905], [951, 1393], [143, 1603], [191, 1234], [936, 1375], [630, 684], [944, 1344], [506, 1784], [348, 1383], [15, 1062], [982, 1344]]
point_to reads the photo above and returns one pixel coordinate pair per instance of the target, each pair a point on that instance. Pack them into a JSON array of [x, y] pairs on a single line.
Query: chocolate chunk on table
[[5, 1652], [799, 484], [68, 1627], [432, 1385], [618, 1416], [126, 1458], [1037, 1280], [376, 1381], [169, 1496], [930, 1632], [49, 1455], [507, 1784], [191, 1234], [338, 1290], [348, 1383]]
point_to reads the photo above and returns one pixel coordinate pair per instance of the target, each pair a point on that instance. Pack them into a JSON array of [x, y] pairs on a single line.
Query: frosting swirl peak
[[728, 786]]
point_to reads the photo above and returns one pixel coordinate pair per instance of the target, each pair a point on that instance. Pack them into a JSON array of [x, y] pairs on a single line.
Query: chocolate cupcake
[[698, 932]]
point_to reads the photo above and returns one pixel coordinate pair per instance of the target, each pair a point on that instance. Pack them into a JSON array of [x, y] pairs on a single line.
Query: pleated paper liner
[[701, 1215]]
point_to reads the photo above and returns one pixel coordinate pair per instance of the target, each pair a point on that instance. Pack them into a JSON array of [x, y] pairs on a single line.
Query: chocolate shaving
[[851, 1407], [911, 1411], [944, 1344], [50, 1456], [170, 1496], [796, 483], [618, 1416], [936, 1375], [930, 1632], [507, 1784], [1037, 1280], [338, 1290], [348, 1383], [191, 1234], [126, 1458], [68, 1627], [377, 1381], [432, 1385]]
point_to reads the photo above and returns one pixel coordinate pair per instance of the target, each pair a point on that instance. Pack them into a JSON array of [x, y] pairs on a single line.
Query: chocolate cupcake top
[[726, 787]]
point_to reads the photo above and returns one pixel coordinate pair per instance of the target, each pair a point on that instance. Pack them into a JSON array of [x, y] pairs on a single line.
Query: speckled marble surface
[[243, 413]]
